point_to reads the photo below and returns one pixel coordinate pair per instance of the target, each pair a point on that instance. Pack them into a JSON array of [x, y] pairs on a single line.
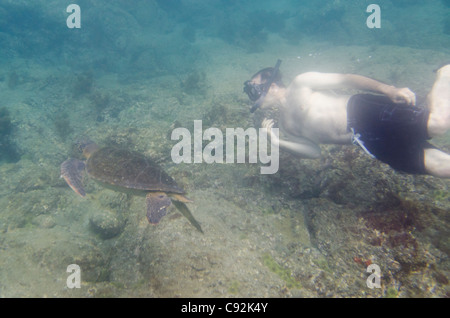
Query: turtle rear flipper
[[72, 172], [157, 204], [181, 206], [180, 197]]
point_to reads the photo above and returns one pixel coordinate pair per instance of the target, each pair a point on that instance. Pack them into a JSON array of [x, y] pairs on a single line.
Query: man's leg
[[439, 103], [437, 163]]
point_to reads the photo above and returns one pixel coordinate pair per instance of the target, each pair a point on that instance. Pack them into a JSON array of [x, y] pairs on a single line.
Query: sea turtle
[[130, 172]]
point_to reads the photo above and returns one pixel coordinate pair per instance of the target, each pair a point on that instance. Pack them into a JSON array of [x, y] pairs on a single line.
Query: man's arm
[[318, 81], [302, 147]]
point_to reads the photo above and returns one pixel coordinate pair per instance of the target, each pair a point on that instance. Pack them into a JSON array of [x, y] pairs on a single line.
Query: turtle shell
[[130, 170]]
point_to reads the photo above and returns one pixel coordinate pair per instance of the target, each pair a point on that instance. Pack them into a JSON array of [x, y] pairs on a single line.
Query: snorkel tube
[[266, 87]]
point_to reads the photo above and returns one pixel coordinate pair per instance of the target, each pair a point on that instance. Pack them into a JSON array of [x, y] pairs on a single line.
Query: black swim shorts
[[395, 134]]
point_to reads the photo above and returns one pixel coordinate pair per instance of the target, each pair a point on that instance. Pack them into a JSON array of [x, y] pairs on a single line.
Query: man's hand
[[267, 124], [401, 95]]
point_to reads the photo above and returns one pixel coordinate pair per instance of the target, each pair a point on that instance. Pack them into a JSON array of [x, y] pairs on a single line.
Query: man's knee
[[437, 163]]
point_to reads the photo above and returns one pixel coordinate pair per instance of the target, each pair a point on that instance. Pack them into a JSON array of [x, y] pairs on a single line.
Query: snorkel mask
[[257, 92]]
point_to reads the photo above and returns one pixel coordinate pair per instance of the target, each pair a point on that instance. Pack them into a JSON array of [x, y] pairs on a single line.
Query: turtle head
[[87, 147]]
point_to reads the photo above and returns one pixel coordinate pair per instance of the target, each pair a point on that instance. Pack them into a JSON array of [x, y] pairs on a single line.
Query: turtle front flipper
[[157, 204], [72, 172]]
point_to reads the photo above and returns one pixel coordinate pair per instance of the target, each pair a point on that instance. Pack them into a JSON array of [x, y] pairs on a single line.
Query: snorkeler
[[387, 125]]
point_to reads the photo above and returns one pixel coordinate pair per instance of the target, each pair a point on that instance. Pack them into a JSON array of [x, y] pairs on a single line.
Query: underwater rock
[[56, 248], [62, 125], [93, 263], [83, 84], [194, 83], [112, 200], [106, 224], [8, 152], [44, 221]]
